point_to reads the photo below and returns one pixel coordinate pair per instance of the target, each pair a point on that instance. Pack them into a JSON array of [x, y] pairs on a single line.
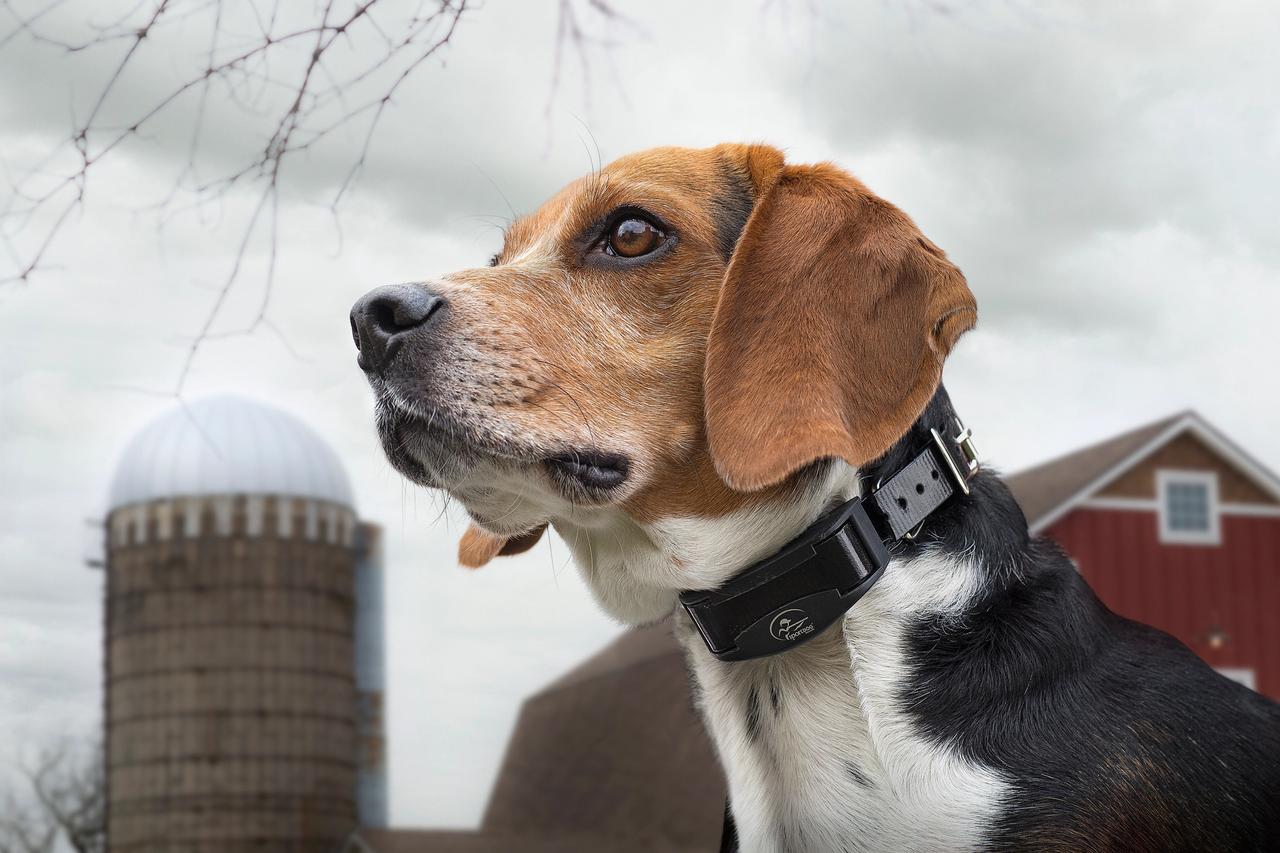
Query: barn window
[[1188, 507]]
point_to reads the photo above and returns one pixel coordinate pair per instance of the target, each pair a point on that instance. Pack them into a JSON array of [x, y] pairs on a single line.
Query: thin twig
[[278, 67]]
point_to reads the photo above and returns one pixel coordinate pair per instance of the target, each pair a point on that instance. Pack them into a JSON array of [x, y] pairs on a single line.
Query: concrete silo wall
[[371, 778], [230, 683]]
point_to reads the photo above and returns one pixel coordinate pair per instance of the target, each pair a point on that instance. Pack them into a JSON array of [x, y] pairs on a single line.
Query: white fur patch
[[834, 764], [620, 564], [945, 799], [709, 551]]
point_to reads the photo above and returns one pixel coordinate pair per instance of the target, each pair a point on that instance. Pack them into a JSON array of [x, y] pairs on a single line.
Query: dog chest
[[819, 756]]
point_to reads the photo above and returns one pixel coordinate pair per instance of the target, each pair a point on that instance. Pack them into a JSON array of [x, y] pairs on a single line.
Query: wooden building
[[610, 756], [1176, 526]]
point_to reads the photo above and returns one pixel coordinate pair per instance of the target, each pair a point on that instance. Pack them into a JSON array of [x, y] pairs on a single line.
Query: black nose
[[382, 319]]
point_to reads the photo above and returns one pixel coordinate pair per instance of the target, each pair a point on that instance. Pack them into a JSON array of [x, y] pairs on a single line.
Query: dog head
[[681, 335]]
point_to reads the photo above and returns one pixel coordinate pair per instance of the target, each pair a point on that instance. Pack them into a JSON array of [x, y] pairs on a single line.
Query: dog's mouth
[[594, 472], [435, 448], [399, 432]]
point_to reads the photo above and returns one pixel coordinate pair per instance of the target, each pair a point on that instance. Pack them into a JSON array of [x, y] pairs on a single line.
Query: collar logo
[[790, 625]]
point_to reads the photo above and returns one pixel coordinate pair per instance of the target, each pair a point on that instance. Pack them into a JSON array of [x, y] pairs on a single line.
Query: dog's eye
[[633, 237]]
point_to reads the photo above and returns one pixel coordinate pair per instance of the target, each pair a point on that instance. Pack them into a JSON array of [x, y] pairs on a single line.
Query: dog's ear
[[478, 547], [834, 318]]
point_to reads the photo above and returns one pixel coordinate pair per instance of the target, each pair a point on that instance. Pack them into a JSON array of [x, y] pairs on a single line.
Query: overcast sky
[[1106, 174]]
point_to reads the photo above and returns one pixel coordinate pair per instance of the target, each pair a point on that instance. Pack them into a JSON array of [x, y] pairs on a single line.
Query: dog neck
[[816, 745], [636, 570], [814, 741]]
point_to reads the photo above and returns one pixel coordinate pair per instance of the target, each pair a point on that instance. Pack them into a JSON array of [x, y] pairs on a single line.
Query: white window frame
[[1240, 674], [1208, 479]]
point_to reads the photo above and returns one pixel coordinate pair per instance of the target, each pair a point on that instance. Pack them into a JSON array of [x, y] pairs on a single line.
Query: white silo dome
[[228, 445]]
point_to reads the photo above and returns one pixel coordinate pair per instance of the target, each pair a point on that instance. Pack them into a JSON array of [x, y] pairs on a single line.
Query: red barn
[[1173, 525]]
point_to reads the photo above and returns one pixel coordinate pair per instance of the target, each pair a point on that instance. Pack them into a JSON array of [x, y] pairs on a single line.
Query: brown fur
[[834, 319]]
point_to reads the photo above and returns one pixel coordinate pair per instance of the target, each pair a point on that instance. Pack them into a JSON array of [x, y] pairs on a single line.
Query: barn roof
[[614, 748], [1044, 487], [611, 756], [1051, 489], [629, 650]]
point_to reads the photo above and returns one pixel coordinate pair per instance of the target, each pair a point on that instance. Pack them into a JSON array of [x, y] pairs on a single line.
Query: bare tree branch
[[572, 36], [66, 800], [300, 74]]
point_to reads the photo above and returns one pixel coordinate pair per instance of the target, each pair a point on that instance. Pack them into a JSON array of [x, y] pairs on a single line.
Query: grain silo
[[244, 640]]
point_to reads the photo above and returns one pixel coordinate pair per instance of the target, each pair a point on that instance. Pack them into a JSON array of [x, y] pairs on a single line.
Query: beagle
[[688, 359]]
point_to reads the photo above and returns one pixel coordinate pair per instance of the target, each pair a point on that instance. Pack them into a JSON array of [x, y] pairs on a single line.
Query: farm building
[[1173, 525], [243, 667], [610, 756]]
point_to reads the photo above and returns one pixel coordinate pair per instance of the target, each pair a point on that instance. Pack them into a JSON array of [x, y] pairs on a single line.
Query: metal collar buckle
[[968, 453]]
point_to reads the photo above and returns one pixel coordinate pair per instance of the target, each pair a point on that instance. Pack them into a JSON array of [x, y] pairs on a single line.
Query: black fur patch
[[729, 832], [775, 697], [753, 714], [695, 689], [1113, 735], [731, 209], [854, 772]]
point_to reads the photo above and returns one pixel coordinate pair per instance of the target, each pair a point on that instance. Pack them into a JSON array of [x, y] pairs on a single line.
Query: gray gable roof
[[1044, 487]]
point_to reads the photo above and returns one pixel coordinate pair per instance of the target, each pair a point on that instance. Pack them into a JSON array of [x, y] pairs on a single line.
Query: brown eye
[[633, 237]]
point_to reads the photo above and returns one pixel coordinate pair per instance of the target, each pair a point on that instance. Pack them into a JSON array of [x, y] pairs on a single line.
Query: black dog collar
[[803, 589]]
